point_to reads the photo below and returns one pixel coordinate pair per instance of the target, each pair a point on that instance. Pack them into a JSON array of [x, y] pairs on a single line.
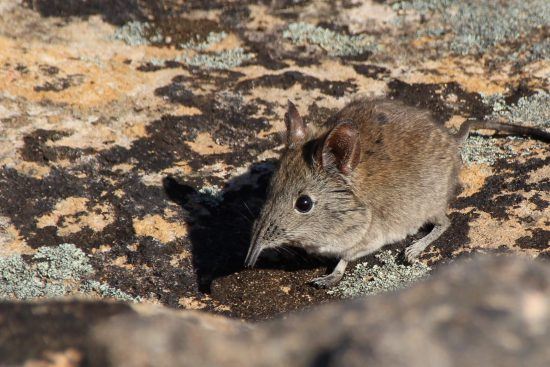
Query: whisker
[[250, 211], [245, 217], [286, 250]]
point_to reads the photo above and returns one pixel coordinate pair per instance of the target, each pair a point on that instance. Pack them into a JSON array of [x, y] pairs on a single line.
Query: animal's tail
[[518, 130]]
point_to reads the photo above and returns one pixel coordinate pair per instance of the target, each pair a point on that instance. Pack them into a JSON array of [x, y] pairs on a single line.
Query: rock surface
[[494, 312], [490, 311], [143, 134]]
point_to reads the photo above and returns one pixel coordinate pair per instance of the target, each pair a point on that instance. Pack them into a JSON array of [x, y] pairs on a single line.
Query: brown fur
[[407, 172], [377, 171]]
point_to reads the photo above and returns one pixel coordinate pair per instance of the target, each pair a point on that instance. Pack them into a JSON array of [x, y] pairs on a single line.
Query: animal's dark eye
[[304, 204]]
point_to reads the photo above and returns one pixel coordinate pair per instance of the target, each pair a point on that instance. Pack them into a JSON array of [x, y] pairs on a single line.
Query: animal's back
[[408, 163]]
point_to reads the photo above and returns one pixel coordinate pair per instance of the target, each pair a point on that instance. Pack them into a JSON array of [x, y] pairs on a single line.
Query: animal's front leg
[[333, 278]]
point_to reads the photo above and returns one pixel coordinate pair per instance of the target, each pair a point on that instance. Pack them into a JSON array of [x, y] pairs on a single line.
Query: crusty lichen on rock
[[531, 110], [211, 39], [475, 27], [52, 272], [336, 44], [218, 60], [365, 280], [136, 33]]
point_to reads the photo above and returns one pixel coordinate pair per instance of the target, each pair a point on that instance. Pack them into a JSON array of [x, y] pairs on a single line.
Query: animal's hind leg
[[440, 225]]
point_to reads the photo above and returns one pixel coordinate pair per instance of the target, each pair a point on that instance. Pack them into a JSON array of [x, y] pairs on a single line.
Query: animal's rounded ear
[[295, 126], [341, 149]]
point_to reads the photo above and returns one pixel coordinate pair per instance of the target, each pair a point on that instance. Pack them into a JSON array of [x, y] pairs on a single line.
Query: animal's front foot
[[327, 281], [333, 278]]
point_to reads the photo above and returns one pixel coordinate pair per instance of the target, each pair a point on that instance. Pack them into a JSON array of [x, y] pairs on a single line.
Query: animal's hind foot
[[412, 253]]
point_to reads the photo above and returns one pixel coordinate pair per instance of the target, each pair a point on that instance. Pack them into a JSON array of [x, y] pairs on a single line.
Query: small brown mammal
[[375, 172]]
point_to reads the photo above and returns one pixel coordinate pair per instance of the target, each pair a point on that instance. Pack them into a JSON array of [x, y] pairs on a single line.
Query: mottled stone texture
[[487, 311], [143, 133]]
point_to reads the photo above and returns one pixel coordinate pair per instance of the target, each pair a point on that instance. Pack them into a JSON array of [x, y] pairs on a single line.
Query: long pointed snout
[[253, 254]]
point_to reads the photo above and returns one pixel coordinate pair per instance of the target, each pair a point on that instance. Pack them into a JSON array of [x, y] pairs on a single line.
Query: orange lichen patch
[[331, 69], [11, 242], [421, 41], [473, 178], [122, 261], [187, 111], [218, 169], [268, 154], [204, 144], [123, 167], [99, 78], [68, 358], [222, 308], [176, 259], [539, 174], [285, 289], [366, 15], [74, 216], [95, 86], [157, 227], [152, 179], [32, 169], [540, 70], [181, 167], [132, 247], [66, 207], [97, 137], [229, 42], [136, 131], [254, 71], [262, 17], [489, 233], [170, 213], [302, 98], [101, 249], [190, 303], [100, 216], [530, 212], [455, 122], [468, 73], [85, 134]]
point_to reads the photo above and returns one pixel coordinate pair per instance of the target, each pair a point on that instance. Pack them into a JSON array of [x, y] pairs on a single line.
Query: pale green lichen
[[336, 44], [530, 111], [212, 195], [62, 262], [136, 33], [477, 26], [211, 39], [106, 291], [52, 272], [365, 280], [537, 51], [157, 62], [18, 281], [511, 19], [219, 60], [484, 150], [533, 110]]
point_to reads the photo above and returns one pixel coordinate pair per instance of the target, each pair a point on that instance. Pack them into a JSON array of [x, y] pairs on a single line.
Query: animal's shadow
[[221, 226]]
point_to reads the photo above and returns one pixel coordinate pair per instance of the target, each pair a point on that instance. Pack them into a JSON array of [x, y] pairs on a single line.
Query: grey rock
[[482, 312]]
